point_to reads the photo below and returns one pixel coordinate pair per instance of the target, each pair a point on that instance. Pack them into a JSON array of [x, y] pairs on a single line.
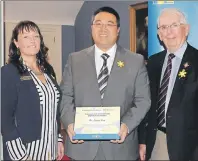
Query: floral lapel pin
[[183, 72], [120, 64], [186, 65]]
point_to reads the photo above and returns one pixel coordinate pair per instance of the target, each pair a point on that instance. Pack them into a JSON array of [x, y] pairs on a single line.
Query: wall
[[43, 12], [1, 63], [68, 42], [1, 33], [83, 22]]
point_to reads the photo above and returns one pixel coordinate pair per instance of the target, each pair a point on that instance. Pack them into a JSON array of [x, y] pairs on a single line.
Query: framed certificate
[[97, 123]]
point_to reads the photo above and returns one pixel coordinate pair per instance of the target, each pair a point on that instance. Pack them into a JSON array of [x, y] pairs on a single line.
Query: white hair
[[176, 11]]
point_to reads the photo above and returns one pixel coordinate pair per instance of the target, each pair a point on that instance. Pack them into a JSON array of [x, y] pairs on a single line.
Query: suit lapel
[[29, 87], [92, 75], [178, 90], [158, 69], [116, 75]]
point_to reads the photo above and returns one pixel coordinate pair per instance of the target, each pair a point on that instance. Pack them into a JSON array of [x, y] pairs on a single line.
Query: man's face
[[105, 30], [171, 31]]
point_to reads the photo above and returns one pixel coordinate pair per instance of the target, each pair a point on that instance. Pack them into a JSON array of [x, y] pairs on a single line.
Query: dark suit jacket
[[20, 107], [182, 114]]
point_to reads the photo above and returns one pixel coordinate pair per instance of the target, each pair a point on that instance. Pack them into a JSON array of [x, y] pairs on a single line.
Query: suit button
[[155, 129], [169, 116]]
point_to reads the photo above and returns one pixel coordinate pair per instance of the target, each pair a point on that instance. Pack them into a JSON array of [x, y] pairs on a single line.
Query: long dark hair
[[41, 56]]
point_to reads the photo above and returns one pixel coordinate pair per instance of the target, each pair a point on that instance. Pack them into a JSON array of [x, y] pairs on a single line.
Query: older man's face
[[171, 31]]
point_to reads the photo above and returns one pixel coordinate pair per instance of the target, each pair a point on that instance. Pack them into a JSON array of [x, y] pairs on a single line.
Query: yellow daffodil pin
[[120, 64], [182, 74]]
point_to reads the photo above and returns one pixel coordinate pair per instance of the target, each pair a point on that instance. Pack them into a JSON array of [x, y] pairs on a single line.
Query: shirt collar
[[111, 52], [180, 52]]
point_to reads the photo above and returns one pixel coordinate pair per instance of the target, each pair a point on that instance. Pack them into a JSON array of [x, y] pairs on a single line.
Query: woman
[[30, 122]]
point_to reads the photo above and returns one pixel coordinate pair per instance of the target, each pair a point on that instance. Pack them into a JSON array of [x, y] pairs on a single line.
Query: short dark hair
[[41, 55], [108, 10]]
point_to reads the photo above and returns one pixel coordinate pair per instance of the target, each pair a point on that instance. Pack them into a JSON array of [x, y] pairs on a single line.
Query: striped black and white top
[[46, 147]]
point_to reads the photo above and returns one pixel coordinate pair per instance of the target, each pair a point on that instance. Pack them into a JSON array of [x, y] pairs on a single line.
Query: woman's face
[[28, 42]]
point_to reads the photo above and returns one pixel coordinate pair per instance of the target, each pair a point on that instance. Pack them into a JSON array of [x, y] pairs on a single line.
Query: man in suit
[[170, 130], [127, 86]]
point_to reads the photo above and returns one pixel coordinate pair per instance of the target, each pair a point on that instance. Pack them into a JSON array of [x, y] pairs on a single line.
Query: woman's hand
[[142, 151], [60, 151]]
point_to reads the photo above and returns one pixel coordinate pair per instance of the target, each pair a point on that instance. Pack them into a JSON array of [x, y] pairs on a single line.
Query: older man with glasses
[[170, 130]]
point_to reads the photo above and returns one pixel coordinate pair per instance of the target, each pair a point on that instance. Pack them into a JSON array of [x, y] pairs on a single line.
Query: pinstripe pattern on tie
[[103, 75], [163, 92]]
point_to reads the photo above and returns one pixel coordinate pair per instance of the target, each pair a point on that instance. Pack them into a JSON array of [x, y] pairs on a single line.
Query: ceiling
[[43, 12]]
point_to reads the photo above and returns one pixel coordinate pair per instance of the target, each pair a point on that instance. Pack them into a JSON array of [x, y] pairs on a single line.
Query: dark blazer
[[182, 114], [20, 107]]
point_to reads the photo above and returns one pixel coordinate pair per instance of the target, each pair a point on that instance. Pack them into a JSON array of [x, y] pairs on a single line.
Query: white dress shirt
[[99, 60]]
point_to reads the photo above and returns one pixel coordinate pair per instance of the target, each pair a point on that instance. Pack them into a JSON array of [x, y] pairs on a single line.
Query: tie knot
[[171, 56], [105, 56]]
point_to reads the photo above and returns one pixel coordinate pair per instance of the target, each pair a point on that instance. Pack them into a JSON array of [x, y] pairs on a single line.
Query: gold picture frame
[[134, 9]]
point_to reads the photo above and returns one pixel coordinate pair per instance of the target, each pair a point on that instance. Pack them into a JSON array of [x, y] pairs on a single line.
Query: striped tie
[[163, 92], [103, 76]]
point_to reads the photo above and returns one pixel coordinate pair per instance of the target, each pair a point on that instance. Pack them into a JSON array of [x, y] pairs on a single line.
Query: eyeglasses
[[100, 25], [173, 26]]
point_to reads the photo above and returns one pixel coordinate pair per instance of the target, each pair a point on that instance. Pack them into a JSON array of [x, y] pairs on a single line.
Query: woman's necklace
[[34, 71], [37, 73]]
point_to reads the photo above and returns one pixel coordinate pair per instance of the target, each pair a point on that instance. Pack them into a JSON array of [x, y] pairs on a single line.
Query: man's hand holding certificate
[[97, 123], [123, 133]]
